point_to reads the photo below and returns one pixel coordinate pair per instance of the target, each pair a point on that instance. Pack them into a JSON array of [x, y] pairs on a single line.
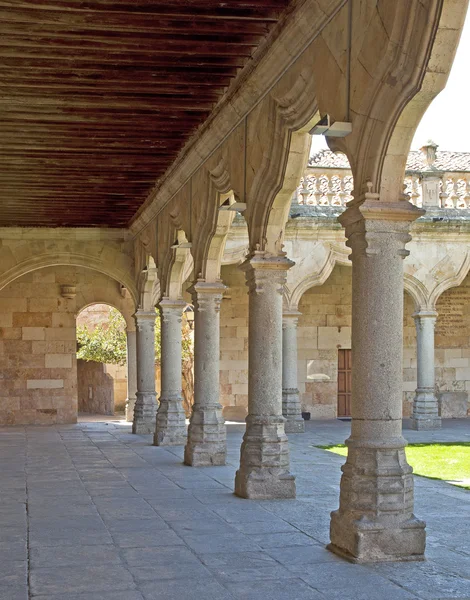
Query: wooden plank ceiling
[[97, 97]]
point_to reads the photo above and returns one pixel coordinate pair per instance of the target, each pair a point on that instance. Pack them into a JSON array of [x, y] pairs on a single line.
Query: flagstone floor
[[92, 512]]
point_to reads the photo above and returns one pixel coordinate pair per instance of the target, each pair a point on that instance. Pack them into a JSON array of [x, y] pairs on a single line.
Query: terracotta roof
[[445, 161]]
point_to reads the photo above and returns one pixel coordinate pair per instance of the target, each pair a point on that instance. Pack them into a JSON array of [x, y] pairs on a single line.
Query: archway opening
[[102, 376]]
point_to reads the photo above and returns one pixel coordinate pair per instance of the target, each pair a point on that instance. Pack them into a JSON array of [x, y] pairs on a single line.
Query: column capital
[[207, 294], [145, 315], [290, 318], [425, 314], [172, 304], [374, 227], [263, 268]]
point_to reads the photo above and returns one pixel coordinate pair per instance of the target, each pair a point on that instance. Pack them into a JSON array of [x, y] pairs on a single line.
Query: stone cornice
[[285, 44]]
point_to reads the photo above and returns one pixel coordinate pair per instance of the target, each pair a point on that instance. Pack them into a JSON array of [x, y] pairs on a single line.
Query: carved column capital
[[290, 318], [264, 270], [145, 319], [207, 295], [373, 227], [430, 316], [171, 308]]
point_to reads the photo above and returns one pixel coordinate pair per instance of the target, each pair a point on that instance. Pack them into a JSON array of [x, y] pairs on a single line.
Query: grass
[[448, 461]]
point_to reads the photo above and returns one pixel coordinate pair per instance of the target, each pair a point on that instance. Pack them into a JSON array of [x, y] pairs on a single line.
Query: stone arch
[[212, 261], [280, 127], [388, 91], [125, 306], [110, 268], [181, 265], [292, 298], [418, 291]]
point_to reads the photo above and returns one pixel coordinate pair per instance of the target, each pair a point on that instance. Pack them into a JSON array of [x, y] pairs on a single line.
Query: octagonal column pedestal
[[145, 405], [131, 360], [375, 520], [425, 414], [171, 427], [291, 409], [264, 458], [207, 440]]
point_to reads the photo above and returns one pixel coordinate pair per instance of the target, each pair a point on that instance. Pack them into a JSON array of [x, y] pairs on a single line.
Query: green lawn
[[449, 461]]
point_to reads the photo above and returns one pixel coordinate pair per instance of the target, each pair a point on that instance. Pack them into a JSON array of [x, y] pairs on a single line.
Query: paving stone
[[116, 595], [80, 578], [282, 540], [142, 539], [237, 560], [60, 556], [221, 543], [274, 589], [180, 590], [160, 556]]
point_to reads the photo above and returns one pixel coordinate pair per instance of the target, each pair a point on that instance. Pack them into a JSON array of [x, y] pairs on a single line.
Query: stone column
[[264, 460], [375, 520], [425, 414], [171, 426], [145, 404], [206, 434], [131, 361], [290, 393]]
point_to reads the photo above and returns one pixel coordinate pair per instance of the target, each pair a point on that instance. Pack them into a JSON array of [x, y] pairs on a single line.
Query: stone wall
[[95, 388], [234, 345], [37, 350]]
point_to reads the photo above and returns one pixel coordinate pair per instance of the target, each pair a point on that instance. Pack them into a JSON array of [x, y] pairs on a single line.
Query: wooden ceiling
[[97, 98]]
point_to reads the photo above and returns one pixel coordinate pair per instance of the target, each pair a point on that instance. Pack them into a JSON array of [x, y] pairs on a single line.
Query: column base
[[375, 520], [425, 423], [171, 423], [264, 461], [291, 411], [296, 425], [364, 541], [145, 409], [207, 439], [130, 404], [425, 414]]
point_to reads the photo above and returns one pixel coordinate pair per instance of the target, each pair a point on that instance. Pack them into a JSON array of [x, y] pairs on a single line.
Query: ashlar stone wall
[[37, 350], [234, 345]]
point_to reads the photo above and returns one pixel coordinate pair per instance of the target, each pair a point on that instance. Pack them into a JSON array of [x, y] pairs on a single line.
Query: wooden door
[[344, 383]]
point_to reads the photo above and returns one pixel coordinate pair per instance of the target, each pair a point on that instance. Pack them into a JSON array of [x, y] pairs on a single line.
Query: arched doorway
[[102, 380]]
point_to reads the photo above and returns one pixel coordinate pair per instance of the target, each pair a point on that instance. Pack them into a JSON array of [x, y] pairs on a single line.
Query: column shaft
[[145, 405], [425, 413], [291, 409], [131, 360], [264, 459], [171, 429], [375, 520], [206, 434]]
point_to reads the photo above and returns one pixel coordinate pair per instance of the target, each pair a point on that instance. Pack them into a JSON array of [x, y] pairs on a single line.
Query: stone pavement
[[91, 512]]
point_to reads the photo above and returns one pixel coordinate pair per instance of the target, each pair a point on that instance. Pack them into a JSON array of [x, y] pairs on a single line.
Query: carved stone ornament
[[68, 291]]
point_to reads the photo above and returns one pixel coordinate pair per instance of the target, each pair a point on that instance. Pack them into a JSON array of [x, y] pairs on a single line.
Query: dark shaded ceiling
[[98, 97]]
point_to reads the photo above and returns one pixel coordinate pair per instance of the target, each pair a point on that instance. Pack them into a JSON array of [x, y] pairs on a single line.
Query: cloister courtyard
[[92, 512], [156, 159]]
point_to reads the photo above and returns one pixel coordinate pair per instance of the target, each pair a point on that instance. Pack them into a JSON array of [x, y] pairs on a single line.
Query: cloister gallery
[[156, 154]]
